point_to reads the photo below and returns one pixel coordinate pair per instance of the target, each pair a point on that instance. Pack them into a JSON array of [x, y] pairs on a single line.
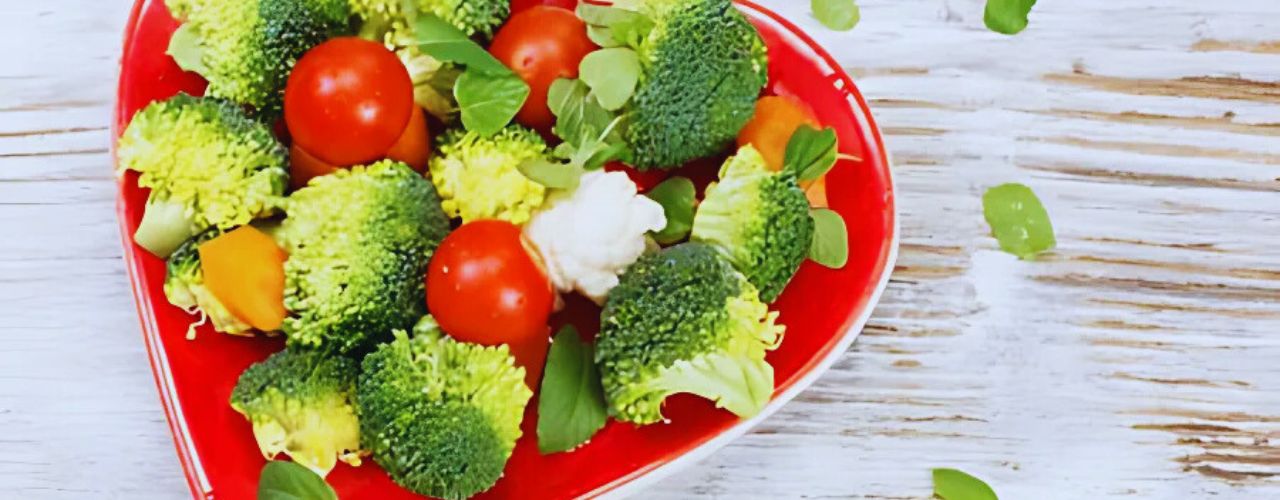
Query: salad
[[410, 191]]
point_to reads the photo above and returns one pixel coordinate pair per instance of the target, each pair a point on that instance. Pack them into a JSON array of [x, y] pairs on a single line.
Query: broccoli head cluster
[[300, 403], [441, 416], [682, 320], [392, 18], [358, 241], [758, 219], [478, 177]]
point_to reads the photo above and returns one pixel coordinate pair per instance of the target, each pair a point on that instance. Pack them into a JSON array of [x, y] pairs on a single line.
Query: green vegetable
[[811, 153], [184, 287], [682, 320], [1018, 220], [393, 20], [441, 416], [205, 156], [702, 66], [488, 93], [479, 177], [951, 484], [550, 174], [290, 481], [299, 402], [677, 197], [571, 404], [1008, 17], [592, 134], [612, 74], [830, 239], [758, 219], [358, 241], [246, 48], [839, 15], [442, 40]]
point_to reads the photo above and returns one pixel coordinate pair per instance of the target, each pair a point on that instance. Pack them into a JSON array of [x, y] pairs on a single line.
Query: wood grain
[[1137, 360]]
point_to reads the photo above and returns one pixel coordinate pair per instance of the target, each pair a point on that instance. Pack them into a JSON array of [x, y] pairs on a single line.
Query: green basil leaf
[[603, 15], [1008, 17], [602, 36], [563, 93], [489, 100], [571, 405], [612, 75], [551, 174], [839, 15], [677, 196], [810, 152], [951, 484], [1018, 220], [442, 40], [830, 247], [186, 49], [289, 481]]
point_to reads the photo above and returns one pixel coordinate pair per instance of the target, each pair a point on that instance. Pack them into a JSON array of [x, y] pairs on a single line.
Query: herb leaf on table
[[1007, 16], [839, 15], [952, 484], [1018, 220]]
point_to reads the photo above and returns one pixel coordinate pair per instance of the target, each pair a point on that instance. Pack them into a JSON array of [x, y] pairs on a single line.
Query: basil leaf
[[571, 407], [550, 174], [289, 481], [442, 40], [830, 247], [1007, 16], [612, 75], [839, 15], [602, 36], [810, 152], [489, 100], [951, 484], [186, 49], [1018, 220], [562, 93], [676, 195]]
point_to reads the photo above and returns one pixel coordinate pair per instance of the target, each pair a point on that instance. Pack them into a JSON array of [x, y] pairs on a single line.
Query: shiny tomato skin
[[485, 285], [542, 44], [348, 101], [518, 6]]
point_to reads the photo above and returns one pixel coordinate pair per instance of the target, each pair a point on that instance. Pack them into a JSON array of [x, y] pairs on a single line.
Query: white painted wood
[[1141, 359]]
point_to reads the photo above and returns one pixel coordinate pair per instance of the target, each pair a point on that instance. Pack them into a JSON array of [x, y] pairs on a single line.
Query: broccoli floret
[[441, 416], [184, 287], [389, 19], [702, 67], [207, 165], [358, 241], [478, 176], [246, 48], [299, 402], [759, 220], [682, 320]]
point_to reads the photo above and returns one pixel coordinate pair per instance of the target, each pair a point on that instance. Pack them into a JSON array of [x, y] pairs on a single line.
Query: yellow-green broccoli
[[478, 177]]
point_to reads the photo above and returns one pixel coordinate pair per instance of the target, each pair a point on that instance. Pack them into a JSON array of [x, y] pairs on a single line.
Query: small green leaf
[[1008, 17], [602, 36], [442, 40], [571, 406], [186, 49], [830, 247], [612, 75], [563, 92], [1018, 220], [951, 484], [810, 152], [489, 100], [677, 196], [839, 15], [550, 174], [289, 481]]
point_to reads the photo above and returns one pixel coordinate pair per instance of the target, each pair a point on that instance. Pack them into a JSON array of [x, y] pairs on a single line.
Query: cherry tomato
[[518, 6], [485, 285], [645, 180], [304, 166], [347, 101], [776, 118], [414, 145], [542, 44]]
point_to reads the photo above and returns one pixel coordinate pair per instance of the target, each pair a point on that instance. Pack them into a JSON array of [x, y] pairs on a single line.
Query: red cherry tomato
[[518, 6], [485, 285], [542, 44], [348, 101], [645, 180]]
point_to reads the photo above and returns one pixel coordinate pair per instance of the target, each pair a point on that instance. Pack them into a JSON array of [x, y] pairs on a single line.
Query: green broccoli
[[184, 287], [358, 241], [246, 48], [702, 66], [207, 165], [388, 19], [478, 176], [758, 219], [682, 320], [299, 402], [441, 416]]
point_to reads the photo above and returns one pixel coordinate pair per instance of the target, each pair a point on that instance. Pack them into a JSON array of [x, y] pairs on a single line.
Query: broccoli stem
[[164, 228]]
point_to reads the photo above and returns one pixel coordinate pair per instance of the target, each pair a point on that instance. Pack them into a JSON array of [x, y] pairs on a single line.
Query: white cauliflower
[[589, 236]]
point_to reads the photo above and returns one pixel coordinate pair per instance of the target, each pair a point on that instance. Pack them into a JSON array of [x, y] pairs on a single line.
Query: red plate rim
[[625, 485]]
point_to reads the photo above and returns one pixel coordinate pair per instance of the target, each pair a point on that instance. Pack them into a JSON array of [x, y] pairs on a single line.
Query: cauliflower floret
[[589, 236]]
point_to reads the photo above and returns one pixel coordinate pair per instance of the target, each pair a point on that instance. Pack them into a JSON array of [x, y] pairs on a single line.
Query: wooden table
[[1141, 359]]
